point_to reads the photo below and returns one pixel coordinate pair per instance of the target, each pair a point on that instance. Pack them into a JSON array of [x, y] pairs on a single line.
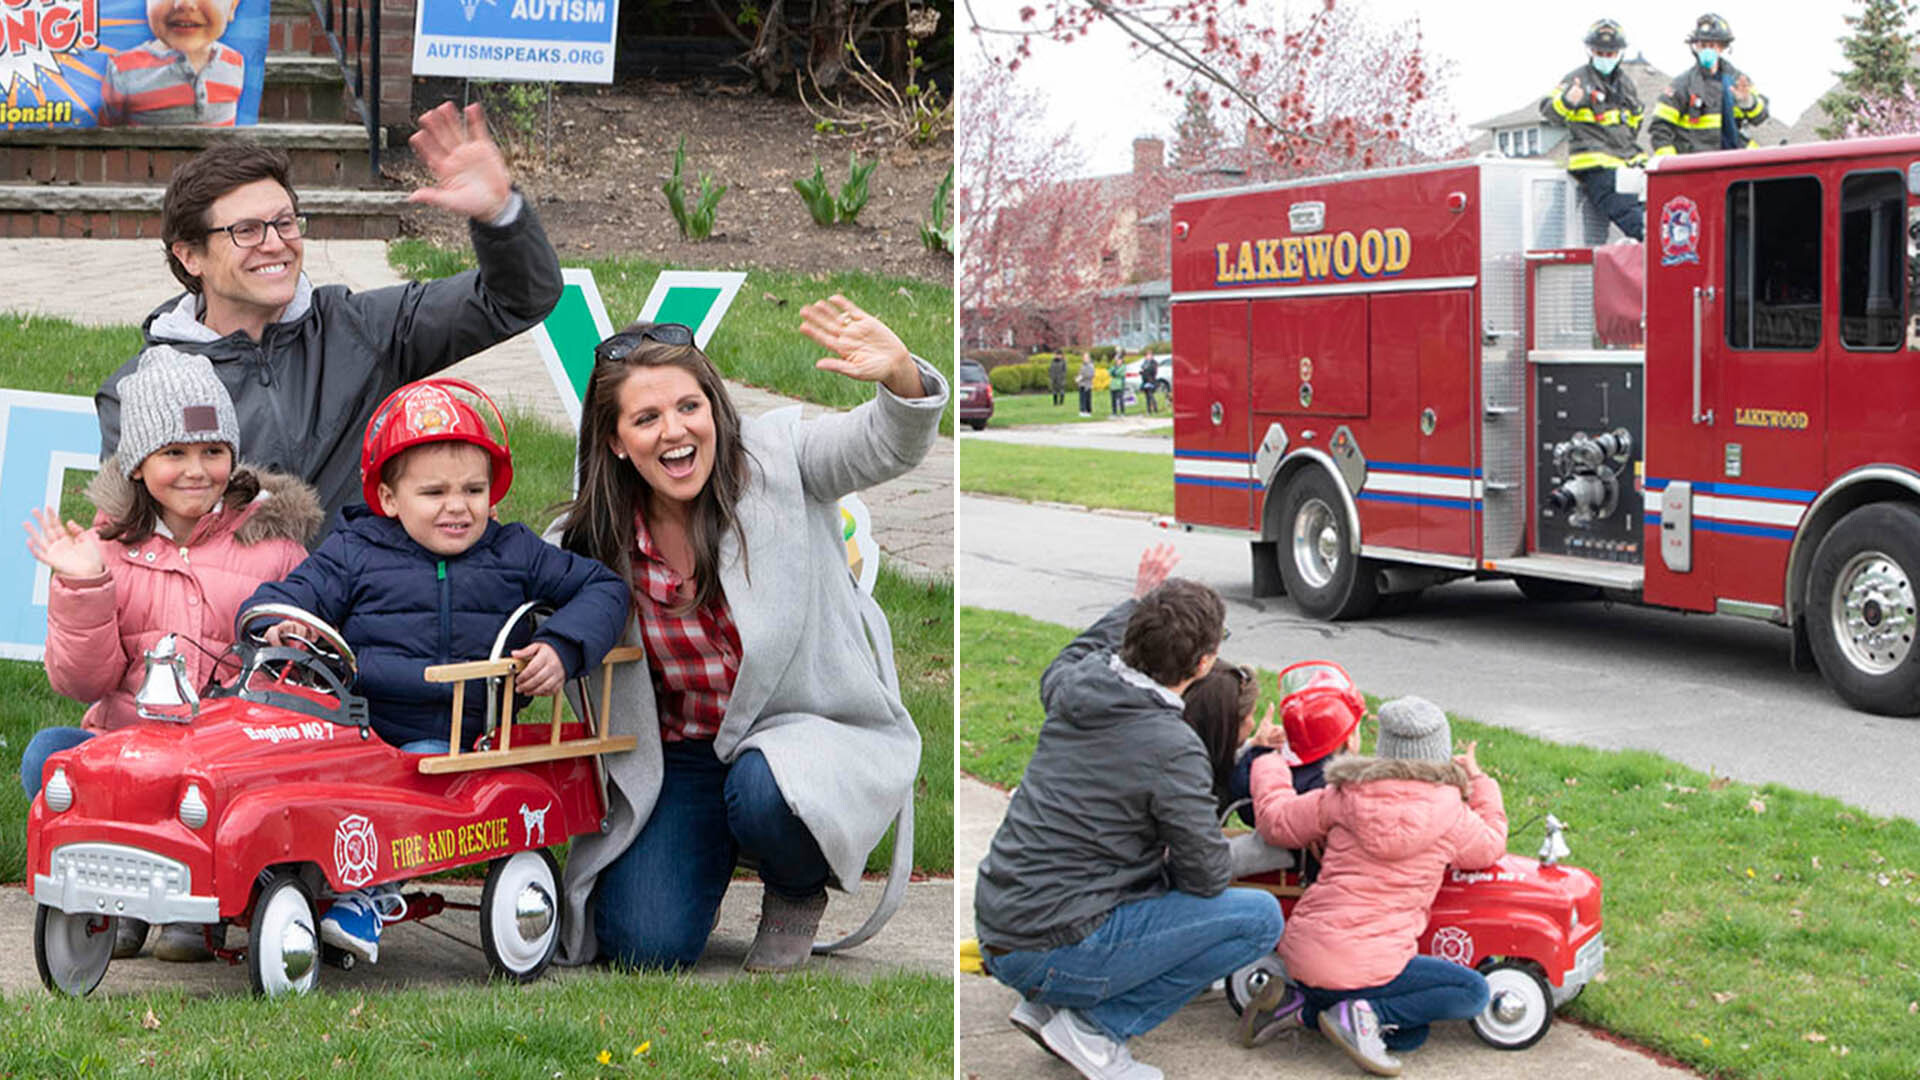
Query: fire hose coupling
[[1588, 485]]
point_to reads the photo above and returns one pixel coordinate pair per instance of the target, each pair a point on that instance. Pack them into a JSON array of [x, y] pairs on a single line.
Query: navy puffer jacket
[[403, 608]]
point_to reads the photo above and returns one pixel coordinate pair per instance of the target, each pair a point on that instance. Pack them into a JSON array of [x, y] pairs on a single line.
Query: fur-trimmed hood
[[1354, 769], [285, 509]]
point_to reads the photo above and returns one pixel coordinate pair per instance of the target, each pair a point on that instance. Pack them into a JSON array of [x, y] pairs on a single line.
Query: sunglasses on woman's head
[[620, 346]]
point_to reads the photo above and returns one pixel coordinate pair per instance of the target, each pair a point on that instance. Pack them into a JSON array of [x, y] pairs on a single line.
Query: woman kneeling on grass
[[769, 712]]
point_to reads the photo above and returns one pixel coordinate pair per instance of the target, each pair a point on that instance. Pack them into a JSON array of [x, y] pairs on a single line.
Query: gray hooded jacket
[[1116, 804], [305, 391]]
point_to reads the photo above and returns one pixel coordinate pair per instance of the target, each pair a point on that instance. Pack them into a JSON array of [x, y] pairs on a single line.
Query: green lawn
[[759, 342], [1114, 479], [1751, 931], [598, 1025], [1030, 409]]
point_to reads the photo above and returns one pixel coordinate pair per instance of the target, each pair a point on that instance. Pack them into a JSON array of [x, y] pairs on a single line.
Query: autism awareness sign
[[555, 40], [68, 64], [41, 437]]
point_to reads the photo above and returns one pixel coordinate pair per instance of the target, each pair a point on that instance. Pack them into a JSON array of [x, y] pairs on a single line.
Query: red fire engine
[[1392, 379]]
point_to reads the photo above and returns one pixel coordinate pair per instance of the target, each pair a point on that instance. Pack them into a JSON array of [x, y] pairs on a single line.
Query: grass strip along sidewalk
[[1033, 410], [1108, 479], [759, 343], [1752, 931], [596, 1025]]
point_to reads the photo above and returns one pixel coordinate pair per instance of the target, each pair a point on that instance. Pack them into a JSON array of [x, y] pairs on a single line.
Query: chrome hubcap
[[1316, 543], [533, 912], [1873, 613], [1508, 1008], [296, 951]]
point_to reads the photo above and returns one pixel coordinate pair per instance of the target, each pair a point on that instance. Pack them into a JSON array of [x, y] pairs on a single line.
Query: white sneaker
[[1029, 1017], [1355, 1029], [1089, 1050]]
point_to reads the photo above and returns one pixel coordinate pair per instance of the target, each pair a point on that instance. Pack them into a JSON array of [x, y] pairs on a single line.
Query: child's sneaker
[[354, 919], [1276, 1006], [1353, 1028], [186, 943]]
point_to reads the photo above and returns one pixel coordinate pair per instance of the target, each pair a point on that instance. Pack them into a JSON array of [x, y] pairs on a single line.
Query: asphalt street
[[1713, 692]]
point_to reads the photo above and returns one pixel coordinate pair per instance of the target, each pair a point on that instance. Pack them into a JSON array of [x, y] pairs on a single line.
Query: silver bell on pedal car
[[1554, 847], [165, 693]]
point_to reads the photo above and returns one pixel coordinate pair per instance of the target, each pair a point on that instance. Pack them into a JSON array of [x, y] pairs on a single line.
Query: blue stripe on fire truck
[[1214, 469], [1769, 513], [1445, 487]]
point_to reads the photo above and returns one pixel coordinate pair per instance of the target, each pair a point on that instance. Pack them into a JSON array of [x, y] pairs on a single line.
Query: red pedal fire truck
[[1392, 379]]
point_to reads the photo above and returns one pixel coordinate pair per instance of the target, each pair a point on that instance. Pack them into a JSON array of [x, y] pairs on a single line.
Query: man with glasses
[[306, 364], [1601, 110]]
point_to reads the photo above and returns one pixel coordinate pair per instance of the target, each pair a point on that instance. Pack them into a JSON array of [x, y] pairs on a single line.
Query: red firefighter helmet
[[1319, 708], [435, 410]]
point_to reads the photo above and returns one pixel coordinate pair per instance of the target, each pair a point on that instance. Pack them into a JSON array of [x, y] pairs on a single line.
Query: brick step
[[304, 89], [121, 212], [322, 155]]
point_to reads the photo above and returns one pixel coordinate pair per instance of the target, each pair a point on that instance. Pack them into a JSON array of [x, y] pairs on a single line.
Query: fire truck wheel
[[1322, 573], [1520, 1010], [71, 951], [283, 940], [520, 914], [1860, 609], [1246, 983]]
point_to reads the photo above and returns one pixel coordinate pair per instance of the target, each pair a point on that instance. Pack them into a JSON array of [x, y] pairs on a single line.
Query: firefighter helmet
[[1711, 29], [434, 410], [1605, 36], [1319, 708]]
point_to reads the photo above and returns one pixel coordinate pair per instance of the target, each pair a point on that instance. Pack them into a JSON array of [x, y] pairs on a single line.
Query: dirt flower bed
[[595, 174]]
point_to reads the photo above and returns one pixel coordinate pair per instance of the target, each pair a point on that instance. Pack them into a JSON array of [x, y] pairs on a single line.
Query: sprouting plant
[[826, 207], [695, 224], [936, 233]]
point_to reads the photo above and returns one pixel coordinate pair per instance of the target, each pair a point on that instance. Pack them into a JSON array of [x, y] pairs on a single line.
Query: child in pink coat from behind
[[182, 536], [1392, 824]]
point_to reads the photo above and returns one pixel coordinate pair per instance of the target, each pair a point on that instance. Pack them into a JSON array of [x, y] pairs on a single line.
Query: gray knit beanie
[[173, 397], [1414, 728]]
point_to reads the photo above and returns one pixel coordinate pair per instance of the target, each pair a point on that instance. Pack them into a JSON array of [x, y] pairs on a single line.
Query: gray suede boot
[[785, 938]]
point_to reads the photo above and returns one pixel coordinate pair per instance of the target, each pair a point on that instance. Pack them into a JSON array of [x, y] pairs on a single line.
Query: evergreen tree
[[1879, 51], [1196, 138]]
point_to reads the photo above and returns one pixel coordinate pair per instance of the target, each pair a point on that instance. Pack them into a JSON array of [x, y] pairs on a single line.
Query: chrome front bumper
[[114, 879], [1587, 963]]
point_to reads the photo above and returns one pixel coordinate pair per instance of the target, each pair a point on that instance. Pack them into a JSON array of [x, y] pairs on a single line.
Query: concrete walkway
[[1200, 1040], [107, 282], [445, 950]]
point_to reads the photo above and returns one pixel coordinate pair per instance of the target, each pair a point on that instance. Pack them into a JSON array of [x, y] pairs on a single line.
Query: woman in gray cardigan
[[768, 711]]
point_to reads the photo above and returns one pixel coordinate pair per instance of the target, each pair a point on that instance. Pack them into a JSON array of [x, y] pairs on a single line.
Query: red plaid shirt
[[694, 656]]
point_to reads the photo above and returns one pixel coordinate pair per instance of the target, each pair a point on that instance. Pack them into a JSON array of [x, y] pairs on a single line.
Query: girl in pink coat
[[181, 538], [1392, 824]]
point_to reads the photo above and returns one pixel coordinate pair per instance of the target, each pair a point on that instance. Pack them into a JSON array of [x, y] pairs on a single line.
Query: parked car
[[1162, 376], [976, 396]]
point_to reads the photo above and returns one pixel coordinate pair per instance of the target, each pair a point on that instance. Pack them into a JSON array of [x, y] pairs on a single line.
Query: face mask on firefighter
[[1708, 56], [1605, 62]]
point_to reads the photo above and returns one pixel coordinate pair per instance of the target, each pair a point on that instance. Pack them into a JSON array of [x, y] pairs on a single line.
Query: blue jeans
[[654, 906], [424, 746], [1427, 989], [1148, 959], [45, 743]]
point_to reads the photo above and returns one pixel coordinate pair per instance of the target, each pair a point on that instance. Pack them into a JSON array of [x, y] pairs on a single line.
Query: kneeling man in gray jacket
[[1103, 899]]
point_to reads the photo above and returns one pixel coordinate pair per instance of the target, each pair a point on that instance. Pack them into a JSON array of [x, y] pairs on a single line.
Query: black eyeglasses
[[251, 231], [620, 346]]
